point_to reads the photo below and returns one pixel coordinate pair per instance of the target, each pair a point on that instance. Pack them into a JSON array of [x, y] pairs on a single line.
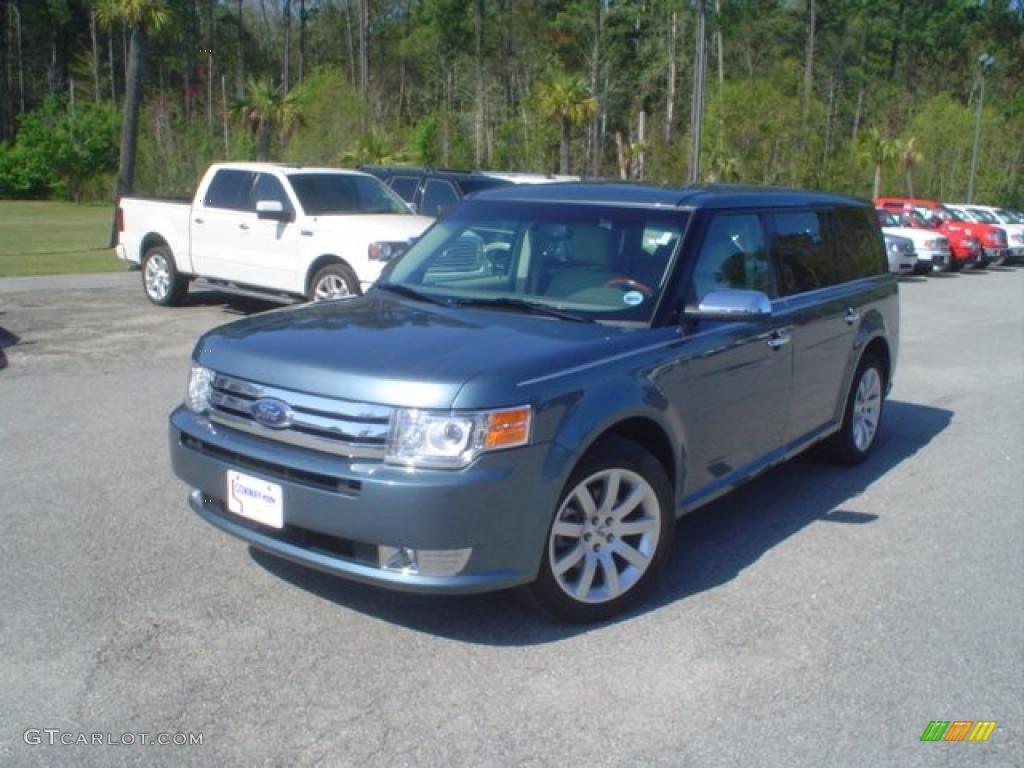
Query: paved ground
[[819, 616]]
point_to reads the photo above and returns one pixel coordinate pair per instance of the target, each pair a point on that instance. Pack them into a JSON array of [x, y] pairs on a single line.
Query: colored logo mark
[[958, 730]]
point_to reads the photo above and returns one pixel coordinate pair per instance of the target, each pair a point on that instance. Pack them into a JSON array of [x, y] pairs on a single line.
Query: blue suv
[[539, 388]]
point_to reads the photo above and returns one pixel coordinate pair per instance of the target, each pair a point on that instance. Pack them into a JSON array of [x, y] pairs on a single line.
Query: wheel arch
[[319, 263], [152, 240], [646, 432]]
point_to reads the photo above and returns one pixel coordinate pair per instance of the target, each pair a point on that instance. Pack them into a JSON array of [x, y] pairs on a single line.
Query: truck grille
[[341, 427]]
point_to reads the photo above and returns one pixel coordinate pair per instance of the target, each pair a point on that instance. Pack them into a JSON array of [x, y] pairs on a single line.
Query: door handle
[[243, 225], [779, 339], [198, 220], [851, 316]]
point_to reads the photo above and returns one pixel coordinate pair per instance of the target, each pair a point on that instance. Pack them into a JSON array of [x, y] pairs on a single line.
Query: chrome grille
[[342, 427]]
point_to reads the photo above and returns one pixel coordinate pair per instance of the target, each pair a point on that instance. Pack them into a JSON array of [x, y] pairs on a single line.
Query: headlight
[[971, 243], [197, 398], [453, 440], [895, 249], [934, 244], [382, 251]]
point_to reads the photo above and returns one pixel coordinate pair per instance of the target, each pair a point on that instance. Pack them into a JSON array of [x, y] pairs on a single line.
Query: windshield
[[985, 216], [954, 214], [322, 193], [596, 262]]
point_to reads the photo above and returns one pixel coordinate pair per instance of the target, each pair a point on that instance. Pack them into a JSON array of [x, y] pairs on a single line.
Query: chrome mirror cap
[[731, 304]]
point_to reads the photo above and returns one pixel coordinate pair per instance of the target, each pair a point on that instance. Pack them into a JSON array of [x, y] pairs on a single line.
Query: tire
[[862, 415], [335, 281], [161, 281], [592, 568]]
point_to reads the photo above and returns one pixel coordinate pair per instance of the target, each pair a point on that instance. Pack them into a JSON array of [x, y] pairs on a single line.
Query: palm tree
[[267, 108], [910, 156], [144, 18], [567, 98], [880, 151]]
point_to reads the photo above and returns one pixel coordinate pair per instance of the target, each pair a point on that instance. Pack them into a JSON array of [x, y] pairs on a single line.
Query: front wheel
[[610, 534], [161, 281], [862, 416], [335, 281]]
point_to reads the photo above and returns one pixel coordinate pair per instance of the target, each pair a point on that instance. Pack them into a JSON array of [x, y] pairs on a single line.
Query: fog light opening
[[423, 562]]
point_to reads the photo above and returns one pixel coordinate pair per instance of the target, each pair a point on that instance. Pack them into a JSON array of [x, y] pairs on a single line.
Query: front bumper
[[338, 511]]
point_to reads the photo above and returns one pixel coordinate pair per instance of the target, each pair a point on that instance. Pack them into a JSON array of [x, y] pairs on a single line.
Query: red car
[[988, 239]]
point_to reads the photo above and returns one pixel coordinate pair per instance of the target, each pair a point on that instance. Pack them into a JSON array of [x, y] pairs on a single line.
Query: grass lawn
[[44, 238]]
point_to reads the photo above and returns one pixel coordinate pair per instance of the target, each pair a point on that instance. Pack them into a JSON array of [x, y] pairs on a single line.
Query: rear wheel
[[862, 416], [610, 535], [335, 281], [161, 281]]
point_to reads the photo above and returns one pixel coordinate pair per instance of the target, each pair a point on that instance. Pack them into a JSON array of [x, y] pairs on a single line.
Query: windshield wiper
[[404, 290], [521, 305]]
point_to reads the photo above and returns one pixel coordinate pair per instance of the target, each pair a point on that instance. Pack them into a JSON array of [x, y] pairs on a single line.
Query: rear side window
[[861, 252], [802, 252], [229, 189], [405, 187]]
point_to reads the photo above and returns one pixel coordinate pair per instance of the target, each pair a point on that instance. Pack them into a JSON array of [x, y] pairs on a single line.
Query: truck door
[[217, 220], [268, 247]]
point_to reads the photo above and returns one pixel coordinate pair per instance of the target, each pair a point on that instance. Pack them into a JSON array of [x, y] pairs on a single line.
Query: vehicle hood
[[370, 226], [393, 351], [919, 236], [974, 229]]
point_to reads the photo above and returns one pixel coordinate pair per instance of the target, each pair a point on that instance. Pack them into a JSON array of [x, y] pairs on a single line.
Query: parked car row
[[948, 237]]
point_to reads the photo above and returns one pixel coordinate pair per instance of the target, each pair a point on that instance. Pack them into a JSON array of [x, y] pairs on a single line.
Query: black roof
[[701, 196]]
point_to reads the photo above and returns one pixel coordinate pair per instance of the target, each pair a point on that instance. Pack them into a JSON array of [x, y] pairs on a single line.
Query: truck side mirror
[[272, 209]]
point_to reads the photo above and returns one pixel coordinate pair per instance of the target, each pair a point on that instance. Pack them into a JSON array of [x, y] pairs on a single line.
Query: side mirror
[[272, 209], [411, 207], [732, 304]]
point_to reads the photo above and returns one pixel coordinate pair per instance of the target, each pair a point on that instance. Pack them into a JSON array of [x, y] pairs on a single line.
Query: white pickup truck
[[315, 233]]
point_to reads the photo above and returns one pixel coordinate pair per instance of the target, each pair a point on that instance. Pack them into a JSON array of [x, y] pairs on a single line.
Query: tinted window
[[344, 193], [438, 198], [405, 187], [267, 187], [733, 255], [802, 252], [229, 189], [861, 252]]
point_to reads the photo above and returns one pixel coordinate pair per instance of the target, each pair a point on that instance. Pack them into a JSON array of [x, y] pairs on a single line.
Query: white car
[[901, 255], [931, 247], [1009, 221], [314, 233]]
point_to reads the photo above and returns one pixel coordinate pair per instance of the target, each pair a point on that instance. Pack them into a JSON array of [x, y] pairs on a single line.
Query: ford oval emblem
[[271, 413]]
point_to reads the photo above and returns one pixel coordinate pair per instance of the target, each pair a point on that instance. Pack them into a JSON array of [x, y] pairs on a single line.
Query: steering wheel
[[629, 282]]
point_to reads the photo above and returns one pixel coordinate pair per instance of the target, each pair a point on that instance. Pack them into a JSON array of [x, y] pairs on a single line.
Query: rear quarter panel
[[146, 219]]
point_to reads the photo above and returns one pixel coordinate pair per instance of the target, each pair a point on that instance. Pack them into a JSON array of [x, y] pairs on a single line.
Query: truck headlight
[[452, 440], [200, 381], [381, 251]]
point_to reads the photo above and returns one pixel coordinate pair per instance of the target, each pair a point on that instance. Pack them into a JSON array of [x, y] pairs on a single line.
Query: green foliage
[[332, 115], [60, 150]]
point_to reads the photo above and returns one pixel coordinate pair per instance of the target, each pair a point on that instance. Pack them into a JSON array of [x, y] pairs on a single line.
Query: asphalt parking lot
[[818, 616]]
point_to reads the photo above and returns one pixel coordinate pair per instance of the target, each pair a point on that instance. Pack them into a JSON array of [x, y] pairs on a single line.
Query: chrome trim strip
[[331, 427], [345, 409], [300, 439]]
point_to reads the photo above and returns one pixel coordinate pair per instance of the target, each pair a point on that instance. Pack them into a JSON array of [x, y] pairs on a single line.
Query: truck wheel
[[335, 281], [160, 278], [862, 415], [610, 534]]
